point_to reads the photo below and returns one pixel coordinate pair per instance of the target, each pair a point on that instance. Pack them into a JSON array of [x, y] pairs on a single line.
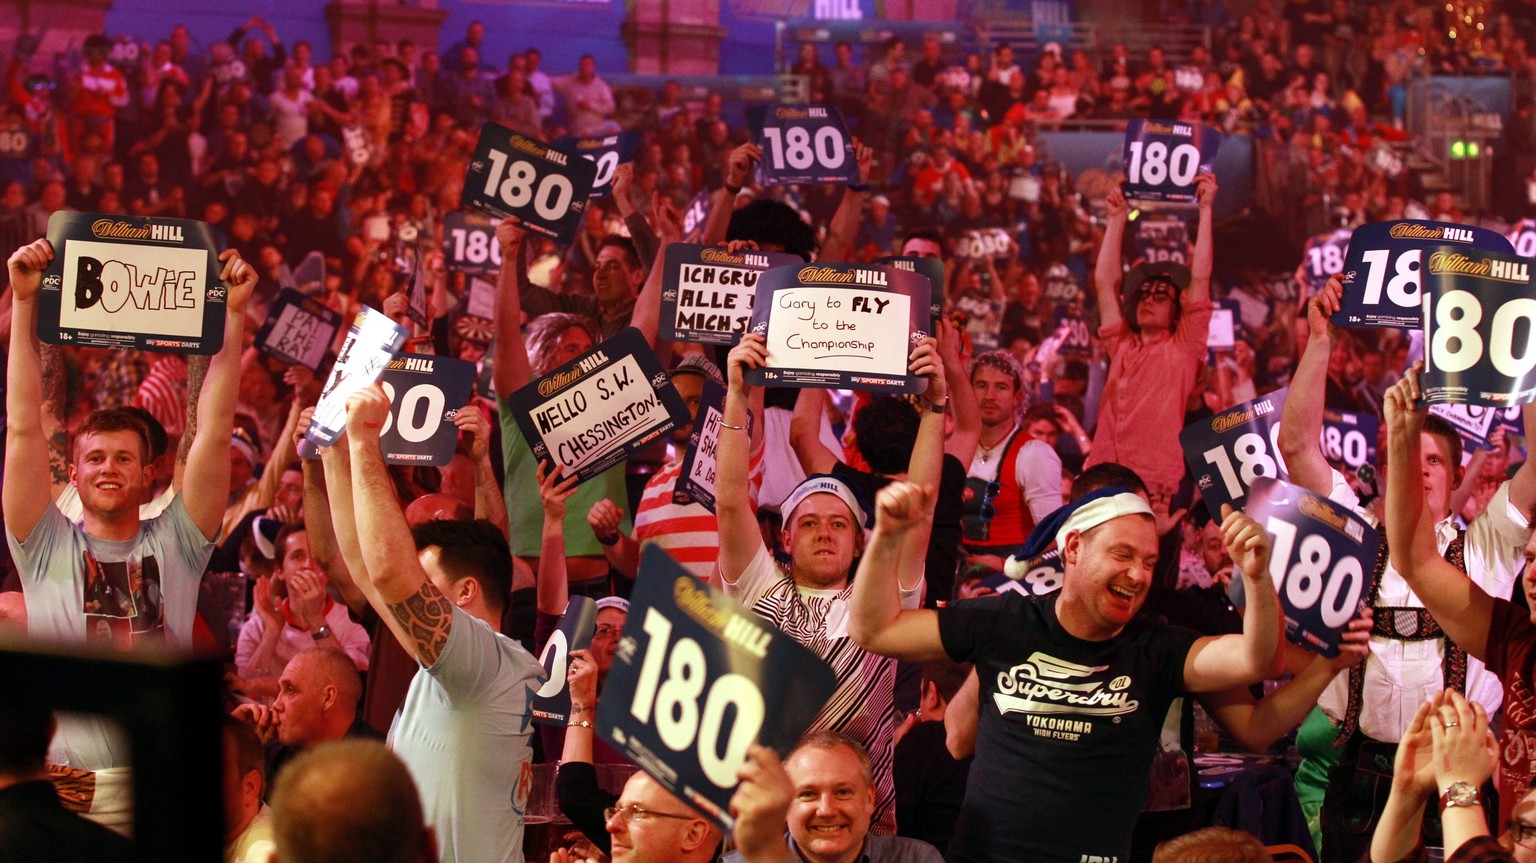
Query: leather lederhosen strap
[[1406, 624]]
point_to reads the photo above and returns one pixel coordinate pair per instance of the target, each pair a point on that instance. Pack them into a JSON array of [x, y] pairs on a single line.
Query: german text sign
[[803, 144], [1382, 268], [1229, 452], [591, 413], [299, 329], [691, 684], [840, 325], [544, 188], [1479, 328], [148, 284], [707, 292], [1162, 158]]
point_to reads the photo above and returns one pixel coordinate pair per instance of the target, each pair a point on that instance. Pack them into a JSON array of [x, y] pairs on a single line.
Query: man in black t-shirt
[[1074, 686]]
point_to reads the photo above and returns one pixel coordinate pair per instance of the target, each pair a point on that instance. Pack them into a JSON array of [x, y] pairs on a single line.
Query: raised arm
[[1464, 610], [740, 538], [489, 502], [926, 467], [805, 432], [1205, 241], [647, 314], [1108, 270], [962, 717], [416, 612], [1301, 418], [844, 227], [26, 493], [553, 588], [966, 434], [738, 173], [1522, 486], [511, 369], [205, 492], [55, 409], [1222, 662], [876, 620]]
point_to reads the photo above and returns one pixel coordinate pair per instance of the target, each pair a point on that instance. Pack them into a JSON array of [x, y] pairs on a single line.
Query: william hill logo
[[1233, 420], [1493, 268], [1411, 231], [527, 146], [825, 275], [798, 113], [114, 230], [559, 381], [715, 256]]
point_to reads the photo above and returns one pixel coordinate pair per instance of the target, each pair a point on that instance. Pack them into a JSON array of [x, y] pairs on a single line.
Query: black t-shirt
[[943, 559], [930, 784], [1068, 729]]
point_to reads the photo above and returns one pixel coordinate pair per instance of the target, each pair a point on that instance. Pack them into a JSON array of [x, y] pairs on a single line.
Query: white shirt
[[1037, 472]]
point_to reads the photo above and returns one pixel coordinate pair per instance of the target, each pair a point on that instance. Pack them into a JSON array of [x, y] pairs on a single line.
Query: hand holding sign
[[1163, 160], [1479, 328], [1402, 406], [26, 267], [367, 411], [555, 487], [738, 167], [1383, 268], [1247, 543]]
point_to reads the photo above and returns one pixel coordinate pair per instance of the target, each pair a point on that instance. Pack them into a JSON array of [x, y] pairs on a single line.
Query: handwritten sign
[[707, 293], [692, 679], [1382, 271], [1479, 328], [932, 268], [544, 188], [1227, 453], [552, 702], [372, 341], [803, 144], [149, 284], [697, 480], [591, 413], [840, 326], [1471, 422], [607, 152], [469, 243], [1162, 158], [425, 392], [298, 330]]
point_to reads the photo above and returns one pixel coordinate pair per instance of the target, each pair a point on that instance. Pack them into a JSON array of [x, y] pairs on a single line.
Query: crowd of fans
[[1061, 373]]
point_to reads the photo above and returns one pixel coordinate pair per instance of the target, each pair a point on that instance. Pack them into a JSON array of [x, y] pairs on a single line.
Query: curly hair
[[544, 334]]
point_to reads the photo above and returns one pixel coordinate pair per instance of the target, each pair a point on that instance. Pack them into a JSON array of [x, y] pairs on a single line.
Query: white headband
[[1094, 513]]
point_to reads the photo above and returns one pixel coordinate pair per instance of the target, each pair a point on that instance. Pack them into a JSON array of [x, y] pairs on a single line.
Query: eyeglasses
[[1155, 291], [633, 812], [607, 630], [1522, 833]]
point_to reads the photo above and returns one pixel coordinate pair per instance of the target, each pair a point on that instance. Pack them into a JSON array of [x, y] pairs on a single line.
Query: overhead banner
[[707, 292], [148, 284], [1382, 271], [803, 144], [607, 152], [932, 268], [696, 483], [1479, 328], [591, 413], [425, 392], [691, 682], [469, 243], [298, 330], [372, 341], [1229, 452], [552, 702], [1163, 158], [840, 326], [513, 175], [1321, 562]]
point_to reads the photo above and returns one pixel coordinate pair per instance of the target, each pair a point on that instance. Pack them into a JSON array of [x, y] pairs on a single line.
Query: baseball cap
[[826, 483], [618, 602], [698, 364]]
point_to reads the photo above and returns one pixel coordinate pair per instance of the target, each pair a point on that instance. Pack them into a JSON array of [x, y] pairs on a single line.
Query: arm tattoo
[[427, 616], [58, 458], [55, 408], [197, 368]]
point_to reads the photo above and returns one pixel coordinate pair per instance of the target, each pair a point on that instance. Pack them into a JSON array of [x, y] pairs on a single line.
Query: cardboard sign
[[308, 278], [1479, 328], [1522, 237], [1229, 452], [607, 152], [480, 298], [707, 293], [933, 268], [148, 284], [1382, 269], [1321, 563], [416, 308], [552, 702], [697, 214], [1071, 334], [1162, 158], [983, 243], [372, 341], [803, 144], [1472, 424], [357, 145], [425, 392], [1161, 238], [298, 330], [591, 413], [1225, 328], [1322, 256], [840, 326], [692, 681], [696, 483], [542, 187], [1043, 575], [1349, 438], [1189, 79], [469, 243]]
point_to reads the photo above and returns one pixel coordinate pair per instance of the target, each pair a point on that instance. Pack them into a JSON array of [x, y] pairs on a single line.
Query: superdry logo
[[1045, 685]]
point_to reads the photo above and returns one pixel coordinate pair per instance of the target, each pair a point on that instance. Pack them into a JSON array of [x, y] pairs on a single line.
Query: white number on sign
[[1153, 163], [1348, 446], [551, 197], [1325, 260], [475, 247], [1403, 287], [676, 702], [794, 147], [409, 408], [1303, 584], [1158, 254], [1457, 315], [606, 165], [13, 141], [1525, 244], [1043, 580], [1253, 460]]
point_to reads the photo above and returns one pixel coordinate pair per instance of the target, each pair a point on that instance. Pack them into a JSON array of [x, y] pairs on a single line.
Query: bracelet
[[937, 408], [726, 425], [858, 187], [609, 538], [585, 723], [322, 633]]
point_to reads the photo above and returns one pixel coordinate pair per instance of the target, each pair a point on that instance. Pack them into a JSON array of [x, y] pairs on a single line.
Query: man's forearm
[[1261, 624], [390, 552], [489, 503]]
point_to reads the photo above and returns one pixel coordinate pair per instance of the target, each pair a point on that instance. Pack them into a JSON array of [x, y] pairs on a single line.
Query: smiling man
[[829, 818], [1075, 686]]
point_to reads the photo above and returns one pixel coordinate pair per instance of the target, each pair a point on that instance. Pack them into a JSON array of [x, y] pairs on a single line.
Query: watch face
[[1461, 794]]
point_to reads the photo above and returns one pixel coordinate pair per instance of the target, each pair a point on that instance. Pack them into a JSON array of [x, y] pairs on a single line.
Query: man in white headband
[[1074, 686]]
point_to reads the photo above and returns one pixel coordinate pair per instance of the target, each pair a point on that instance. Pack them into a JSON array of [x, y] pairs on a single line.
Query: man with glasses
[[650, 824], [1155, 336]]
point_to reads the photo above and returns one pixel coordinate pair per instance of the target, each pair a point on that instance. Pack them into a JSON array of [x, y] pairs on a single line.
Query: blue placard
[[696, 482], [1161, 238], [707, 293], [135, 282], [1382, 271], [1479, 328], [1522, 237], [298, 330], [425, 393], [591, 413], [803, 144], [1162, 158], [692, 681], [1071, 330], [933, 268], [1349, 438], [552, 702], [1043, 575], [544, 188], [607, 152], [1321, 257], [1231, 451], [840, 326], [697, 214], [1321, 563], [469, 243]]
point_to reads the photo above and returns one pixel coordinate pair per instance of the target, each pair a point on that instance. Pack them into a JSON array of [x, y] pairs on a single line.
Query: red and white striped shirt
[[163, 393], [688, 531]]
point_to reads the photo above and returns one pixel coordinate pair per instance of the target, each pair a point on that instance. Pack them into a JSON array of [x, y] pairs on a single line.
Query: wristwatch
[[322, 633], [937, 408], [1460, 794]]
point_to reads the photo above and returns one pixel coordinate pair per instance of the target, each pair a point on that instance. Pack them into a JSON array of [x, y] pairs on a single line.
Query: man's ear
[[1073, 550], [330, 698], [698, 832]]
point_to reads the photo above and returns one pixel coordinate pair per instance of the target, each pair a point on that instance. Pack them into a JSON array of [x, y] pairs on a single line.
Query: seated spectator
[[247, 821], [349, 800]]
